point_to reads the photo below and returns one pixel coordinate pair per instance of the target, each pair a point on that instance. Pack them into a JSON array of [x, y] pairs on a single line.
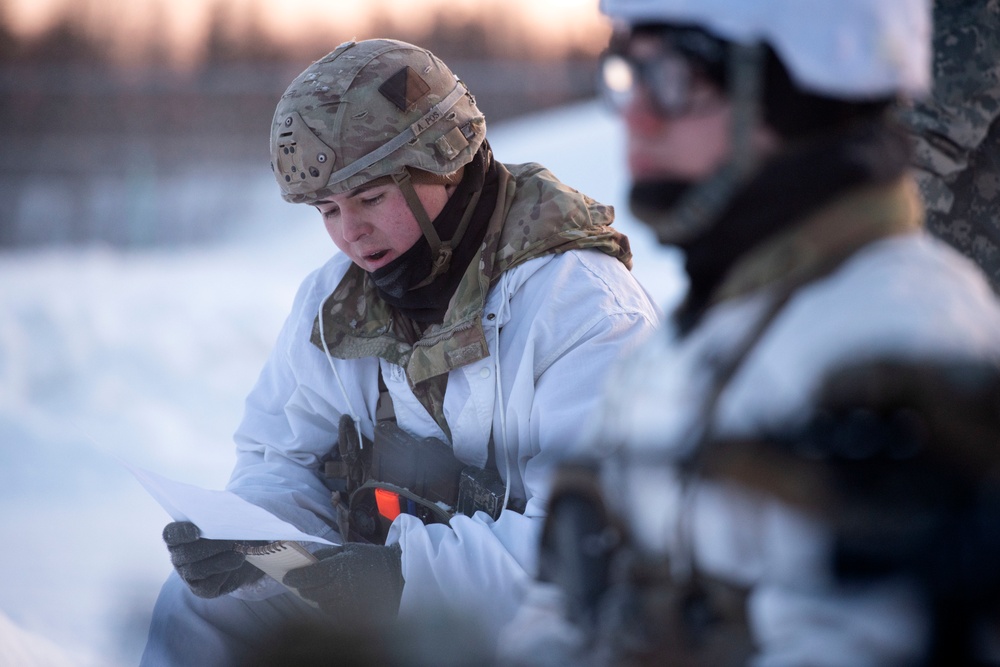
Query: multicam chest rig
[[373, 482]]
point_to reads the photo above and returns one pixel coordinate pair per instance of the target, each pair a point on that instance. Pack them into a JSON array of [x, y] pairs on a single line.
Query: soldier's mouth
[[373, 261]]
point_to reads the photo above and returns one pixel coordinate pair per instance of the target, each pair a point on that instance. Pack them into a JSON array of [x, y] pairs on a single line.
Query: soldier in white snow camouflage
[[473, 303], [763, 141]]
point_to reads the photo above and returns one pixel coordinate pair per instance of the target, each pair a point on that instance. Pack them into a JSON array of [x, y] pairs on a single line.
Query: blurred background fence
[[140, 152]]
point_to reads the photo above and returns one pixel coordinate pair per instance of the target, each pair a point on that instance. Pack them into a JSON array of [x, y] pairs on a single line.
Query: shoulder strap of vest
[[728, 369], [384, 409]]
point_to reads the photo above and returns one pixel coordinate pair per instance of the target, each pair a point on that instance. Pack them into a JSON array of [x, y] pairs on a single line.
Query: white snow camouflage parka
[[903, 296], [553, 324]]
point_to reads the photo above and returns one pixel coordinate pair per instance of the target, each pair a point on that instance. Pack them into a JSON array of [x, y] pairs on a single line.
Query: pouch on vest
[[407, 476], [374, 482]]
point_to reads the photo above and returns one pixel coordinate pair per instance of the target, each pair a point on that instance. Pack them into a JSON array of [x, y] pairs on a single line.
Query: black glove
[[209, 567], [357, 583]]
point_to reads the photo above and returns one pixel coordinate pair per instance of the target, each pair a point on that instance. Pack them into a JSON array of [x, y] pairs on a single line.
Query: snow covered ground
[[147, 356]]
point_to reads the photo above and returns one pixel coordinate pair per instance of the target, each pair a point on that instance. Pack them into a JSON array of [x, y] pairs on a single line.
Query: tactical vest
[[373, 482]]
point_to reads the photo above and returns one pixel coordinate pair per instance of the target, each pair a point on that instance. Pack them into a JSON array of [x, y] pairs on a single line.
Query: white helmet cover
[[852, 49]]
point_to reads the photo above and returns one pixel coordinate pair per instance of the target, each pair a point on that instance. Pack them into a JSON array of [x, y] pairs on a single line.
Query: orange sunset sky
[[123, 24]]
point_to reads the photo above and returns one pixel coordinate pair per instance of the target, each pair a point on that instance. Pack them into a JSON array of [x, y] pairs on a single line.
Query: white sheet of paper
[[219, 515]]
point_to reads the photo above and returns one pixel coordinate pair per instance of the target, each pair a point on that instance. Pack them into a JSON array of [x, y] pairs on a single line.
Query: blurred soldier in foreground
[[429, 376], [957, 132], [761, 140]]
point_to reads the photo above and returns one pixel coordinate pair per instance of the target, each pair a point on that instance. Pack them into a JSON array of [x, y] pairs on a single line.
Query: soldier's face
[[373, 224], [684, 148], [687, 145]]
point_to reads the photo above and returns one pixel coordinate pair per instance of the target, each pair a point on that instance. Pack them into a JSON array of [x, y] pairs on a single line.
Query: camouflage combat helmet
[[368, 110]]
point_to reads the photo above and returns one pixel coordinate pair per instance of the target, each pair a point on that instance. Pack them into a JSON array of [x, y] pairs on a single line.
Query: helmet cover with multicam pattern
[[367, 110]]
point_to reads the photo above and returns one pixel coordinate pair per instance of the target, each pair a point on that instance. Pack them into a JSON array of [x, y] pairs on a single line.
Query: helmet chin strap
[[700, 206], [441, 251]]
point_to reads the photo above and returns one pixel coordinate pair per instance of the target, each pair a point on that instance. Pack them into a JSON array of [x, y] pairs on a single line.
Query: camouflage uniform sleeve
[[957, 131]]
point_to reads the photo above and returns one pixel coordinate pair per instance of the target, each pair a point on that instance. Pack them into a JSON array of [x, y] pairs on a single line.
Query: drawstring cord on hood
[[333, 367], [504, 299]]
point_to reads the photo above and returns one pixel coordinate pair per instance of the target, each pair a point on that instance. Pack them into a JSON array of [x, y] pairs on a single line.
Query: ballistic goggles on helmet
[[676, 71], [852, 49]]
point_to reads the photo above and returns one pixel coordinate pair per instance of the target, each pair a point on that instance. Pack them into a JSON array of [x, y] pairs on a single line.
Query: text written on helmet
[[426, 122]]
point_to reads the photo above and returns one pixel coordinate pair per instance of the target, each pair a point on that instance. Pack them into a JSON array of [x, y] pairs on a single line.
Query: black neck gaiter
[[396, 280], [786, 189]]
